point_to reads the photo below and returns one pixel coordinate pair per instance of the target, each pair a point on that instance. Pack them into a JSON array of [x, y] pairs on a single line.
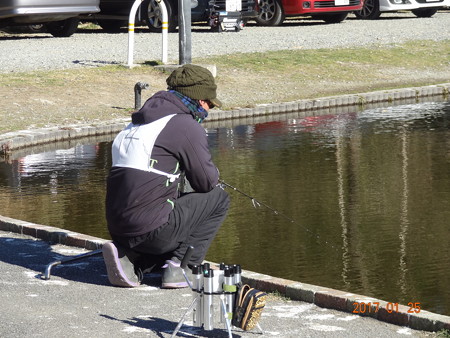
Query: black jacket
[[139, 201]]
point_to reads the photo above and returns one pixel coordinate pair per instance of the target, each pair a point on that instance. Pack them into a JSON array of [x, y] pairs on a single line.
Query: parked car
[[372, 9], [114, 14], [273, 12], [60, 17]]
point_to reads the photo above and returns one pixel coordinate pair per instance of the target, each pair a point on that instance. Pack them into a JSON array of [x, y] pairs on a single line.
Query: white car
[[372, 9], [60, 17]]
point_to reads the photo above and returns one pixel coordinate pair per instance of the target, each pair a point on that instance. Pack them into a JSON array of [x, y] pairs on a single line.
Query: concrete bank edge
[[308, 107], [318, 295]]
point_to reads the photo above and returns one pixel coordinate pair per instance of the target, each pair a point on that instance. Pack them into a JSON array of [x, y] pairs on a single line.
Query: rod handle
[[187, 256]]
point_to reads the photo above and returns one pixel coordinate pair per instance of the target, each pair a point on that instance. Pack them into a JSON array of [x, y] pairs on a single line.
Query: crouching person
[[150, 221]]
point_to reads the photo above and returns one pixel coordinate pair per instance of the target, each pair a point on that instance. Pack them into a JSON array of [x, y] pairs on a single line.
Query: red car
[[273, 12]]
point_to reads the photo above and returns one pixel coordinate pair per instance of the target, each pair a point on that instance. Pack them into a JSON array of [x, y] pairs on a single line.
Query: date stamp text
[[373, 307]]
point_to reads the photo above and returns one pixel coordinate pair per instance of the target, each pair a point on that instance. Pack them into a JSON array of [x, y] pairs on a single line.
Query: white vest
[[133, 146]]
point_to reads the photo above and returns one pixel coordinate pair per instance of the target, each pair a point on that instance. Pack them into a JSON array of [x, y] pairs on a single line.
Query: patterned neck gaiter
[[197, 111]]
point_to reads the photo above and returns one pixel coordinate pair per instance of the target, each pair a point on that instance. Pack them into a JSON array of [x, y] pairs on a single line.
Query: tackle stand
[[225, 15], [208, 285]]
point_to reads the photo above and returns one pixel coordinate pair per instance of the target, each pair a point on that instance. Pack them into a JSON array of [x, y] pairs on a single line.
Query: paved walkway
[[77, 299]]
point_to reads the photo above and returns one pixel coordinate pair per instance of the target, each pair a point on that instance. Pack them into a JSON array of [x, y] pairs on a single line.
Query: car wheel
[[424, 12], [370, 10], [36, 28], [64, 28], [154, 15], [112, 26], [270, 13], [332, 18]]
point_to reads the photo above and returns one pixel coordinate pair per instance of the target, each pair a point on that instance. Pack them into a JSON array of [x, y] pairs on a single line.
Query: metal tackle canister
[[208, 305], [218, 281], [205, 267], [229, 289], [237, 274], [197, 285], [219, 290]]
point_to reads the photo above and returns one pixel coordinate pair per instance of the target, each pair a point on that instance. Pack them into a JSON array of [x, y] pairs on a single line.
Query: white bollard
[[164, 30], [131, 20]]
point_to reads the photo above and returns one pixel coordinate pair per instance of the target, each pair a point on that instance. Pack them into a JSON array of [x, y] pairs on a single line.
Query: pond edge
[[381, 310], [260, 113]]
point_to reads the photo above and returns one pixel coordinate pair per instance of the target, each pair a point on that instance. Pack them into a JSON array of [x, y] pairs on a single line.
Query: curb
[[51, 234], [302, 108], [392, 313]]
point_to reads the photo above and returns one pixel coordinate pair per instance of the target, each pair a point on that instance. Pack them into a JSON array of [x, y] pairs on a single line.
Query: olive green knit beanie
[[195, 82]]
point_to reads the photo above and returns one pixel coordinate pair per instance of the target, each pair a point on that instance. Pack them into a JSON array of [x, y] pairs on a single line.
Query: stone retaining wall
[[301, 108]]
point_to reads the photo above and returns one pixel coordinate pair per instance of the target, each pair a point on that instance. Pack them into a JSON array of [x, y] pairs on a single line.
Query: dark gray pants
[[194, 221]]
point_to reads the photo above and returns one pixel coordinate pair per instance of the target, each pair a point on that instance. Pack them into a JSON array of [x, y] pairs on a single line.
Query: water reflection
[[362, 198], [404, 224], [62, 188]]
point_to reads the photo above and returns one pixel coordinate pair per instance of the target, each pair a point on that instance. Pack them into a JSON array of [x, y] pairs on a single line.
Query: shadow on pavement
[[35, 255], [159, 325]]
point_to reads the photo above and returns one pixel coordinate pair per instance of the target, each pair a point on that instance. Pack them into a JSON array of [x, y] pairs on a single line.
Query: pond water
[[362, 198]]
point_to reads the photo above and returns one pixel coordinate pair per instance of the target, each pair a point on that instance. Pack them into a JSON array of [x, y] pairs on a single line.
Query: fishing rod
[[257, 204]]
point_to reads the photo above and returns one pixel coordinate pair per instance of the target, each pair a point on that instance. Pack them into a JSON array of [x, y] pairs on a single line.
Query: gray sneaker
[[121, 271], [173, 277]]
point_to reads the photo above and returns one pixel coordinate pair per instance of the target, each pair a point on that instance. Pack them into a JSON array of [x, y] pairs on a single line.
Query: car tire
[[332, 18], [112, 26], [217, 29], [270, 13], [36, 28], [153, 13], [64, 28], [370, 10], [425, 12]]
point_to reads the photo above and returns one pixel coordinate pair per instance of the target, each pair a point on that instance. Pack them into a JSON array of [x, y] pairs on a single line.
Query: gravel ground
[[88, 93], [27, 52]]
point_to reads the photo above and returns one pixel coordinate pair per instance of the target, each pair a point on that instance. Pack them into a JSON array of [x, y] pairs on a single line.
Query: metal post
[[184, 20], [131, 20], [137, 93]]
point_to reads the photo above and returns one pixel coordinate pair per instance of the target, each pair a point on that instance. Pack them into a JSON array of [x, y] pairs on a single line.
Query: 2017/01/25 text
[[361, 307]]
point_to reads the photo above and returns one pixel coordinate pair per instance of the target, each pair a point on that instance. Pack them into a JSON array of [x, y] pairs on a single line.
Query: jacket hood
[[161, 104]]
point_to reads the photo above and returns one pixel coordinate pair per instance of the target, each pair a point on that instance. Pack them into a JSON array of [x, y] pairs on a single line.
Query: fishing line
[[257, 204]]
